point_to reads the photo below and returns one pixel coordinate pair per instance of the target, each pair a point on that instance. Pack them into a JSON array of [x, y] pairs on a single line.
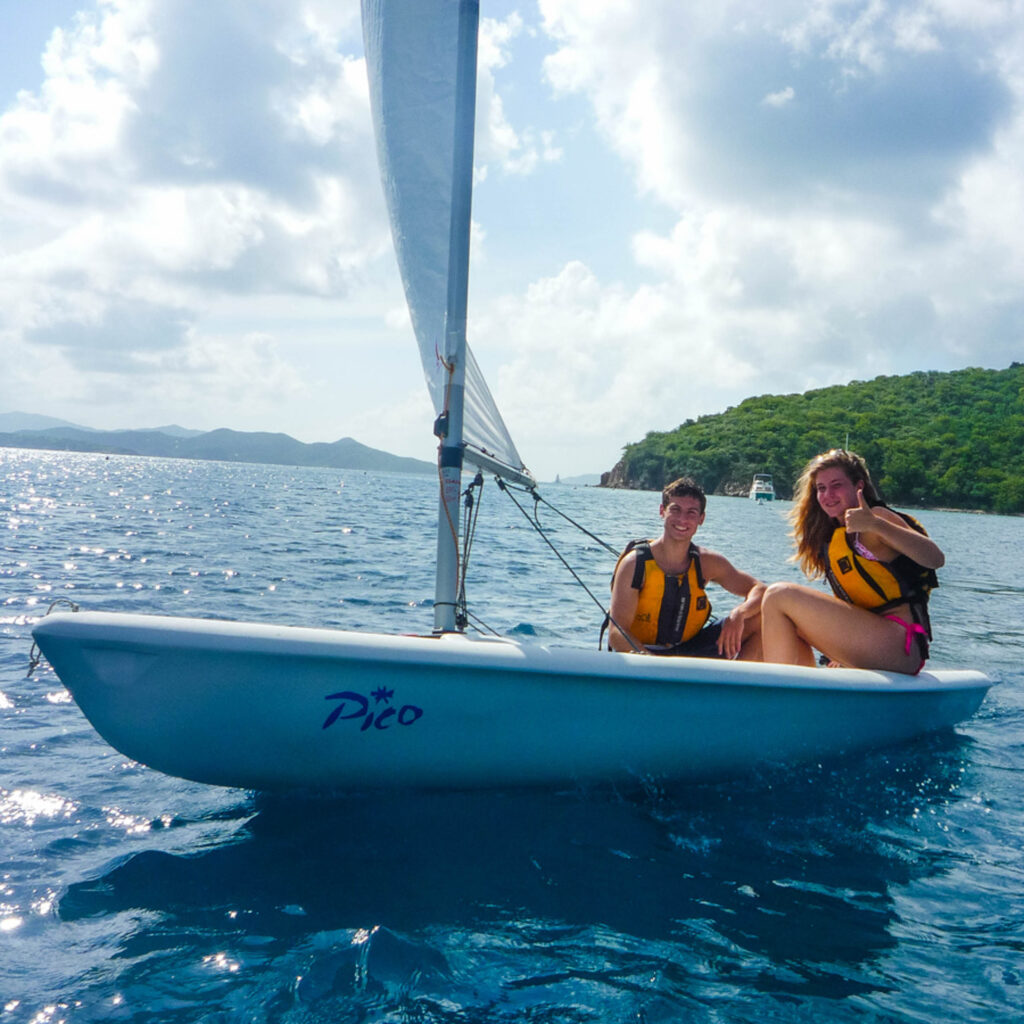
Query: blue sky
[[678, 206]]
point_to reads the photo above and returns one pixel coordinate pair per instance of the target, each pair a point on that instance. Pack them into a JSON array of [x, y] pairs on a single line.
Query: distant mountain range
[[27, 430], [582, 480]]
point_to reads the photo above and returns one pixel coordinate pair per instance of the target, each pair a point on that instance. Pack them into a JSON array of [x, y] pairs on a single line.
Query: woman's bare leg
[[796, 619], [751, 648]]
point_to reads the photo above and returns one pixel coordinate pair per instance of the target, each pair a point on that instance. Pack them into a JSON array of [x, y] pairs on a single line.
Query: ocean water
[[886, 887]]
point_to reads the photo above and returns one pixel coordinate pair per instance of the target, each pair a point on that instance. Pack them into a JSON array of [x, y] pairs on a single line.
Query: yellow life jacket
[[670, 609], [874, 585]]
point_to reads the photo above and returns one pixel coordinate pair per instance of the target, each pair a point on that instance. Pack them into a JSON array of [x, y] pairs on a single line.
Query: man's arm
[[623, 608], [738, 623]]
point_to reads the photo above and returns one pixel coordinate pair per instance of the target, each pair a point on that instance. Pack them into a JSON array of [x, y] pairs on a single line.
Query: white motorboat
[[762, 488]]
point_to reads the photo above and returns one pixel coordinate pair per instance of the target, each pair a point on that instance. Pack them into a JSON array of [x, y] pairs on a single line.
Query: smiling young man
[[659, 599]]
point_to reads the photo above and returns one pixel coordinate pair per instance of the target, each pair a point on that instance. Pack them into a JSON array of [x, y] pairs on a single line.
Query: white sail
[[413, 49]]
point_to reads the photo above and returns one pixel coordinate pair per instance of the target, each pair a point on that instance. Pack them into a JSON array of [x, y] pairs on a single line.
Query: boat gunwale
[[141, 633]]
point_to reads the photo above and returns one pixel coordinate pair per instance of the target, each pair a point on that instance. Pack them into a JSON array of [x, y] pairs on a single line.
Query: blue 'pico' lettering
[[409, 714], [357, 705]]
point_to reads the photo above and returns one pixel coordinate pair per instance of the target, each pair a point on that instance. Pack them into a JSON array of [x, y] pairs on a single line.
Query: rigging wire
[[470, 516], [534, 521], [35, 655], [537, 498]]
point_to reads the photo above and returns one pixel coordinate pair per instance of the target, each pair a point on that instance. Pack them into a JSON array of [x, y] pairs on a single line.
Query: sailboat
[[270, 707]]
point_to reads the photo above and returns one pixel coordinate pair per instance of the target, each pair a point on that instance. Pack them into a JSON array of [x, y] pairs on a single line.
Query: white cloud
[[736, 198], [872, 230], [590, 357], [175, 154], [498, 141], [678, 94], [780, 98]]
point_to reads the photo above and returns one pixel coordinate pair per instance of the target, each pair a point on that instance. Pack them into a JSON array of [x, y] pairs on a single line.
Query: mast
[[451, 447]]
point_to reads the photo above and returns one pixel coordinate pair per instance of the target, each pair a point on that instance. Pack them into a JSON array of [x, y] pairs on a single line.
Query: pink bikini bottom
[[912, 629]]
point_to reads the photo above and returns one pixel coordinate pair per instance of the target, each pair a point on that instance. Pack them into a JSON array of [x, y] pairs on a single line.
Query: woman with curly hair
[[880, 564]]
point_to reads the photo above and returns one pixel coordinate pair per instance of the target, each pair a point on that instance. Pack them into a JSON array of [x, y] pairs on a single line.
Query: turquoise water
[[882, 888]]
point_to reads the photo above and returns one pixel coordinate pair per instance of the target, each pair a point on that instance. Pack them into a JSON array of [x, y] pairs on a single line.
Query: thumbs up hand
[[861, 519]]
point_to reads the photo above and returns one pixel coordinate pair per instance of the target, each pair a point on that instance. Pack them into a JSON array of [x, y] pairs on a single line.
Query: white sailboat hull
[[273, 707]]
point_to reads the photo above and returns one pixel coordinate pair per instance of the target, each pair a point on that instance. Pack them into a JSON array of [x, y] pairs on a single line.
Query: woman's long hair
[[812, 528]]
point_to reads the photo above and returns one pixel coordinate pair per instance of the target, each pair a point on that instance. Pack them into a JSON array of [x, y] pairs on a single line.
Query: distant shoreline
[[216, 446]]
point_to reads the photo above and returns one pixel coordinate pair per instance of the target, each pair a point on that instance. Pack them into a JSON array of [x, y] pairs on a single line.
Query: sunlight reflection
[[27, 806], [363, 935], [132, 825], [43, 906], [221, 962]]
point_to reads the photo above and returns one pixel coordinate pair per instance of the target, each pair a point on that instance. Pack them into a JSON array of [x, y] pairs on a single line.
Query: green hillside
[[952, 440]]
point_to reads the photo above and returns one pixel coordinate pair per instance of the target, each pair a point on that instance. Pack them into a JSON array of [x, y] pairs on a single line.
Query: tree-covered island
[[939, 440]]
